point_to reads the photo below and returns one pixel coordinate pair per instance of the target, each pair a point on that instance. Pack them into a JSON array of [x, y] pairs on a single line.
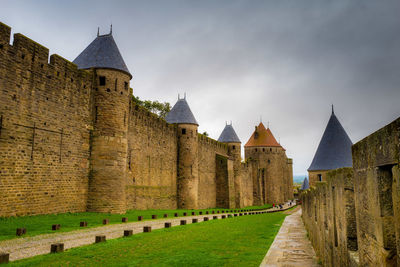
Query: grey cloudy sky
[[286, 61]]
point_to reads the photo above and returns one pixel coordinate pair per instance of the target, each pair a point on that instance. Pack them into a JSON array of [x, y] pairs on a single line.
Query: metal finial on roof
[[332, 110], [111, 29], [267, 125], [184, 95], [98, 31], [179, 97]]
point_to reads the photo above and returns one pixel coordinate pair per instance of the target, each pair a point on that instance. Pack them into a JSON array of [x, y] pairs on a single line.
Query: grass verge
[[239, 241], [41, 224]]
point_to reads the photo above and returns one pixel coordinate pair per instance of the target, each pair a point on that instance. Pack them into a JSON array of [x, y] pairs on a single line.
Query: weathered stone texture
[[44, 130], [353, 217], [273, 174], [73, 140], [152, 161]]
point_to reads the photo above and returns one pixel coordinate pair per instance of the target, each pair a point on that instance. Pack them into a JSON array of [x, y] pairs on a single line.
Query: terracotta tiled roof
[[262, 137]]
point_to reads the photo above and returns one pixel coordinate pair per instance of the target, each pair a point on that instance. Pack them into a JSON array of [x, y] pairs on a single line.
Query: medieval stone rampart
[[353, 218], [73, 141]]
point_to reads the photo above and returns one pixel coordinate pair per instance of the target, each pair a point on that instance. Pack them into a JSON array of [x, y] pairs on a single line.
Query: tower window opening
[[102, 80], [95, 114], [319, 177], [108, 90], [269, 161], [270, 149], [256, 149], [116, 83], [233, 147], [126, 85], [183, 131], [263, 149]]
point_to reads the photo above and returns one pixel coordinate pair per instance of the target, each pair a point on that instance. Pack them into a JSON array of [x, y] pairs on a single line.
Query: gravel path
[[291, 247], [26, 247]]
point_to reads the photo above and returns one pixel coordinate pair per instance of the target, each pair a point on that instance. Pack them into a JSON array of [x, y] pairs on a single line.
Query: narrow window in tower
[[126, 85], [102, 80], [95, 114], [256, 149], [263, 149], [233, 147], [183, 131], [319, 177], [116, 82], [270, 149], [124, 118], [269, 161]]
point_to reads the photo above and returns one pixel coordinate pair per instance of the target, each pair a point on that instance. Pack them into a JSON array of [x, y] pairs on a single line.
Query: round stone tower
[[230, 138], [188, 179], [111, 96]]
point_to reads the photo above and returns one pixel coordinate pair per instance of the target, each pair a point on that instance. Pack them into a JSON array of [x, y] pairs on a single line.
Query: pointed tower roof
[[181, 113], [334, 149], [262, 137], [229, 135], [305, 185], [102, 53]]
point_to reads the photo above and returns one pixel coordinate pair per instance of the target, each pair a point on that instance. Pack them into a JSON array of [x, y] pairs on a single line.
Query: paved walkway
[[291, 247], [26, 247]]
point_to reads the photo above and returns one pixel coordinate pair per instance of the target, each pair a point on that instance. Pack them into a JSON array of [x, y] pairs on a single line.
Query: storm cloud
[[284, 61]]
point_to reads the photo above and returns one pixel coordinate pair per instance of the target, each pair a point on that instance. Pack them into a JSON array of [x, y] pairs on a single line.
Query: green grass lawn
[[41, 224], [238, 241]]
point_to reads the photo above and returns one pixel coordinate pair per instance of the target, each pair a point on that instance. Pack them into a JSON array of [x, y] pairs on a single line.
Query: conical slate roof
[[229, 135], [102, 53], [262, 137], [305, 185], [181, 113], [334, 149]]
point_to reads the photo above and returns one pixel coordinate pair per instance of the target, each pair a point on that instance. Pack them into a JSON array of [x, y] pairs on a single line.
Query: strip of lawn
[[41, 224], [237, 241]]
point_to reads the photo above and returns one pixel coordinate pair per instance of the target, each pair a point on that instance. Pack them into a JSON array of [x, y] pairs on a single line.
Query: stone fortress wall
[[70, 143], [353, 218]]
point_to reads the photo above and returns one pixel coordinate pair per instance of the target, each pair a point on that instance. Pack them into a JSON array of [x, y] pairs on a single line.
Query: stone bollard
[[21, 231], [147, 229], [165, 215], [183, 222], [154, 216], [57, 247], [140, 218], [176, 214], [4, 258], [55, 227], [128, 232], [83, 224], [223, 216], [200, 213], [185, 214], [124, 219], [194, 220], [193, 213], [100, 238], [215, 217], [167, 225], [106, 221], [205, 219]]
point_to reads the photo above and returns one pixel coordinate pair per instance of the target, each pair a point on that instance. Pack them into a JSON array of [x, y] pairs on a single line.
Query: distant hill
[[298, 178]]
